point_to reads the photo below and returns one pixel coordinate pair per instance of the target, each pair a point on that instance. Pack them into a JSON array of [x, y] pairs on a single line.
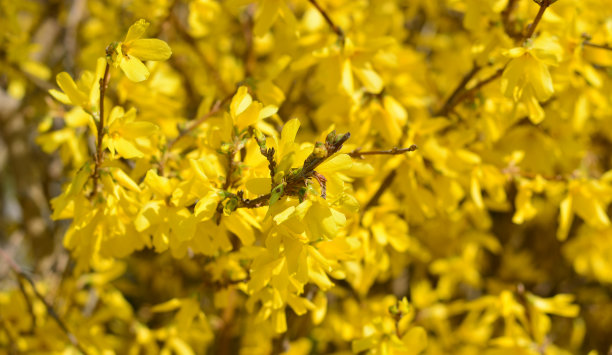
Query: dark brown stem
[[99, 151], [507, 20], [21, 275], [386, 183], [328, 19], [231, 166], [249, 53], [449, 103], [471, 92], [394, 151], [595, 45], [544, 4]]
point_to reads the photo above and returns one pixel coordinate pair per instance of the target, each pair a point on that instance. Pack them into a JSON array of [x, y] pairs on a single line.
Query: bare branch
[[99, 151], [328, 19], [394, 151], [21, 275]]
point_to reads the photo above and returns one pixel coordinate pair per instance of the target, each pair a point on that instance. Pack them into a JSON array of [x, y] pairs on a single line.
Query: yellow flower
[[246, 112], [527, 77], [129, 54], [126, 136]]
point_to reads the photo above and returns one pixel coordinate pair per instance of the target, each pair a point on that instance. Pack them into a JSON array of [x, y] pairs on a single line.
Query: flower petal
[[149, 49], [134, 69], [65, 82], [137, 30]]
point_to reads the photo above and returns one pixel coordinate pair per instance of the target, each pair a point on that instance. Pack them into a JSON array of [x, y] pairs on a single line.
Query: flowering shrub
[[243, 177]]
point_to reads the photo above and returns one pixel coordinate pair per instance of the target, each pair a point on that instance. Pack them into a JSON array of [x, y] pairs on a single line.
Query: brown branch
[[449, 103], [99, 151], [595, 45], [544, 4], [296, 179], [387, 181], [507, 20], [394, 151], [21, 275], [472, 91], [249, 53], [328, 19]]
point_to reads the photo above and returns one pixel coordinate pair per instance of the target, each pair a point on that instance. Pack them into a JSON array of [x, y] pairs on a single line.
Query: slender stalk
[[99, 151], [595, 45], [508, 21], [249, 53], [544, 4], [21, 275], [448, 104], [328, 19], [387, 181], [394, 151]]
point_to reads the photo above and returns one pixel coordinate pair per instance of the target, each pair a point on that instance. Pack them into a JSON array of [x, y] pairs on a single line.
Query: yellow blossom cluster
[[306, 177]]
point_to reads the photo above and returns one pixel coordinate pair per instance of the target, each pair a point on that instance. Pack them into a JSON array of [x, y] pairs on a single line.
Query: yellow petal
[[415, 339], [249, 116], [167, 306], [126, 148], [60, 96], [347, 77], [267, 111], [138, 129], [369, 78], [65, 82], [149, 49], [266, 17], [240, 101], [541, 81], [259, 186], [134, 69], [288, 135], [566, 216], [137, 30], [124, 180], [336, 163], [206, 206]]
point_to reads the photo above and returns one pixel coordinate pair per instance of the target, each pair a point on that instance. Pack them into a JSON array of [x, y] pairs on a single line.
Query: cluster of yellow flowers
[[249, 181]]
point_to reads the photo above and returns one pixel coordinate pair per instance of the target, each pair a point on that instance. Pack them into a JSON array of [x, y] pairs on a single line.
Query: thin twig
[[388, 180], [328, 19], [99, 151], [544, 4], [470, 93], [22, 275], [296, 179], [249, 53], [595, 45], [448, 104], [507, 20], [394, 151]]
